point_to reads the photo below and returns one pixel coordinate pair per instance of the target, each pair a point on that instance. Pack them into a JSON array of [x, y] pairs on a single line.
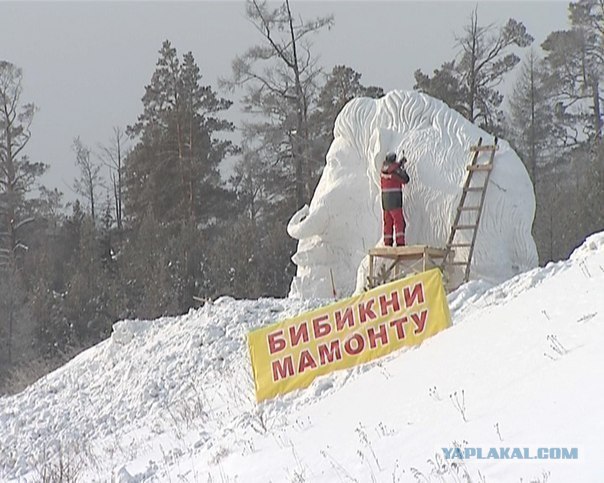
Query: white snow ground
[[172, 399]]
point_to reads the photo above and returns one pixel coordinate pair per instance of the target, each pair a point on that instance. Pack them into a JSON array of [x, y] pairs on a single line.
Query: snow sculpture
[[344, 217]]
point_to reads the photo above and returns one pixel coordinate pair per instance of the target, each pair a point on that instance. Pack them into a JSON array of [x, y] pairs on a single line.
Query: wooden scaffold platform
[[391, 263]]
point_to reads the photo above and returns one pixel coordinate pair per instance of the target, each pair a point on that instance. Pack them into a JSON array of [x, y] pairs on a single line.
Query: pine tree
[[53, 269], [18, 176], [576, 65], [575, 68], [533, 130], [173, 169], [534, 135], [342, 84], [445, 84]]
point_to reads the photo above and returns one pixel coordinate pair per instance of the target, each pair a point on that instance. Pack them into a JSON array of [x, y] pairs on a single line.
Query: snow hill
[[172, 399]]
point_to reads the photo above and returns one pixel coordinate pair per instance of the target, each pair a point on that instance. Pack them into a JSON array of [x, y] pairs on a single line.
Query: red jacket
[[392, 179]]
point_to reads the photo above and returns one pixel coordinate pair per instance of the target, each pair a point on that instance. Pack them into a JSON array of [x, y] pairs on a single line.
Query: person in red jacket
[[393, 177]]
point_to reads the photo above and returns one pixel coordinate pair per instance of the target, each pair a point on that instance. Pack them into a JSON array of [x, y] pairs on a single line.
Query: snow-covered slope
[[172, 399]]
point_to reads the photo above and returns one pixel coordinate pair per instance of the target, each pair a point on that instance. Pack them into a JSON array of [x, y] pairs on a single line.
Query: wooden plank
[[407, 250], [484, 147], [394, 251], [389, 271], [436, 252], [468, 208], [465, 227], [479, 167], [408, 257]]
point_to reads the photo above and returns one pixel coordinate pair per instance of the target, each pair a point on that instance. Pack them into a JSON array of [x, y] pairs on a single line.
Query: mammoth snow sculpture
[[344, 217]]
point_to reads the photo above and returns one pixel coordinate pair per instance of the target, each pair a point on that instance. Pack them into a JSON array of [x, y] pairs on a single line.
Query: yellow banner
[[290, 354]]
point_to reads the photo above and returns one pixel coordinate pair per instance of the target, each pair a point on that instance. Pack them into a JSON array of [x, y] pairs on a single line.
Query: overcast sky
[[85, 64]]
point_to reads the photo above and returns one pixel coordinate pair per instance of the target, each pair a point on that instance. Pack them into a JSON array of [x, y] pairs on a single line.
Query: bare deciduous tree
[[470, 83], [89, 178], [280, 75], [113, 155]]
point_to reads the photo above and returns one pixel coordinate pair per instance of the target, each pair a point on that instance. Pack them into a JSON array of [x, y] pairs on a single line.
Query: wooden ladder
[[472, 168]]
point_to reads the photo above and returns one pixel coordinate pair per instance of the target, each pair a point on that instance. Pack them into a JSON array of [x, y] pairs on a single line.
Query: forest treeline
[[157, 227]]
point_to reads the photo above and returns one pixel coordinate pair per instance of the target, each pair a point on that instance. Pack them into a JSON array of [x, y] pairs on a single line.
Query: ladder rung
[[486, 147], [464, 227], [459, 263], [460, 245], [468, 208], [474, 188], [480, 167]]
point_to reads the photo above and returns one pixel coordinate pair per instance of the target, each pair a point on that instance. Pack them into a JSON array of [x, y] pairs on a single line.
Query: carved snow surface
[[344, 217]]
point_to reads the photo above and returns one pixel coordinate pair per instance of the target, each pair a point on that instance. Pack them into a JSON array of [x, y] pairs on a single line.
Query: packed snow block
[[344, 218]]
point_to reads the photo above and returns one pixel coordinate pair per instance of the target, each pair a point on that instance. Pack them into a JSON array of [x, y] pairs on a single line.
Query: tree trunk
[[191, 171], [533, 141], [597, 114], [118, 200], [10, 328], [91, 194], [10, 217], [301, 137], [472, 86]]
